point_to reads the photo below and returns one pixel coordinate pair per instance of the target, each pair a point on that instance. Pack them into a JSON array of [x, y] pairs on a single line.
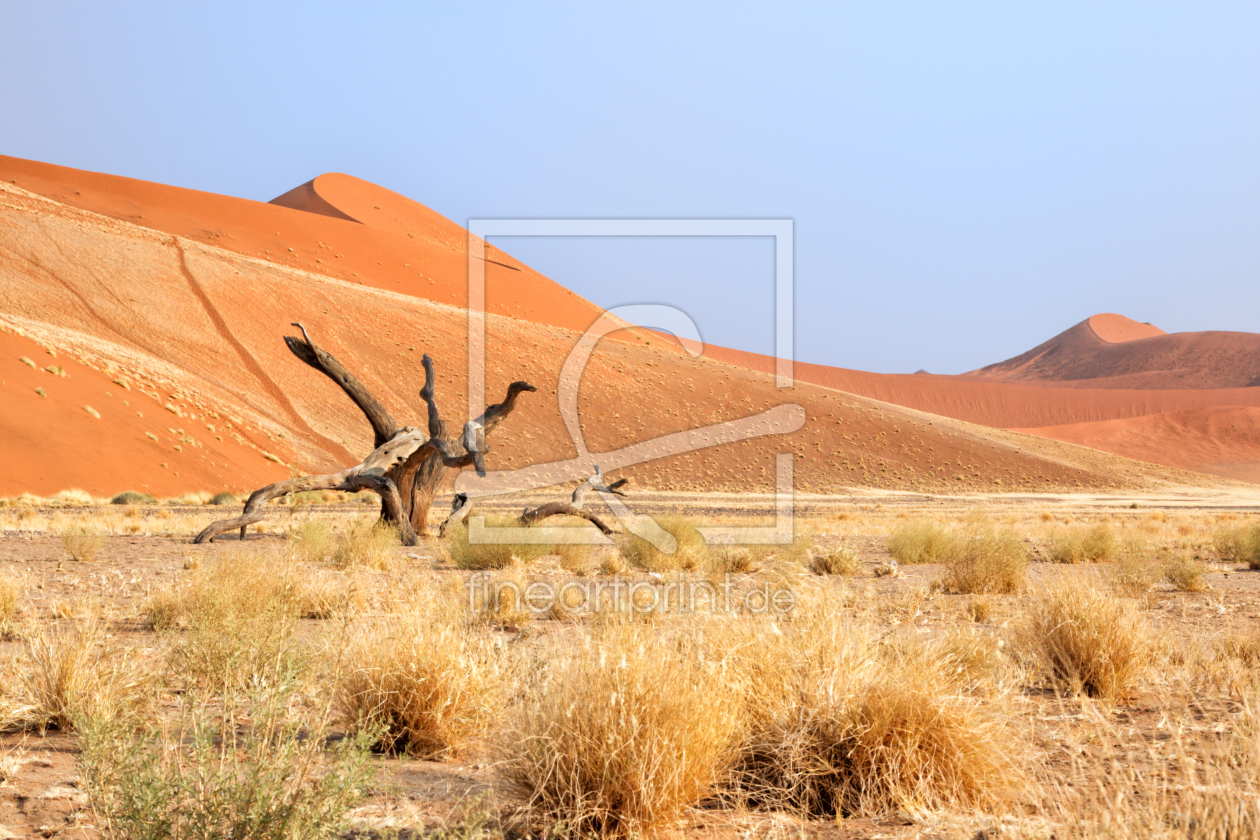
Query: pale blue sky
[[967, 179]]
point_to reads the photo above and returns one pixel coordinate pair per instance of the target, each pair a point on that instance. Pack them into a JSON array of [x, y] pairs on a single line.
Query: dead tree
[[574, 507], [407, 465]]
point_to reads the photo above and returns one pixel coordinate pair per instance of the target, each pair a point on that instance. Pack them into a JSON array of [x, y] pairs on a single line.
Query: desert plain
[[1018, 602]]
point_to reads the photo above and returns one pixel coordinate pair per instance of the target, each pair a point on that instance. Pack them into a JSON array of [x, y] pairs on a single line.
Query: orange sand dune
[[1110, 351], [401, 246], [185, 305], [79, 427], [1223, 441]]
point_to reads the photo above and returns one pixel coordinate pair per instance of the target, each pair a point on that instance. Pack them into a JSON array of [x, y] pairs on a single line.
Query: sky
[[965, 180]]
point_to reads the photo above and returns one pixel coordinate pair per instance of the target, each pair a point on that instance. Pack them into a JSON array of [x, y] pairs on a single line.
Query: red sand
[[1117, 329], [1110, 351], [189, 293]]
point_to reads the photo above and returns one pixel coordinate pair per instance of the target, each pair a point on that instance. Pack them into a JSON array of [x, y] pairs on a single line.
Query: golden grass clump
[[988, 561], [618, 737], [81, 544], [1085, 544], [11, 589], [840, 726], [1185, 573], [75, 671], [241, 615], [427, 683], [1239, 544], [489, 556], [923, 541], [368, 545], [843, 561], [1086, 641], [691, 552], [313, 540]]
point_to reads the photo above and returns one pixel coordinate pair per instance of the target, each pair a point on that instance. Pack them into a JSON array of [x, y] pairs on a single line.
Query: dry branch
[[574, 507]]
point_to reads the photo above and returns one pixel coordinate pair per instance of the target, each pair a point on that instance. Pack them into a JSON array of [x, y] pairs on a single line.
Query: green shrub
[[261, 772], [923, 541], [224, 498]]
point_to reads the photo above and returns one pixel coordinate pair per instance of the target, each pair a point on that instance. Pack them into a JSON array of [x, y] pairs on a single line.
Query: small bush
[[492, 556], [619, 737], [1185, 573], [1134, 573], [314, 540], [224, 498], [265, 774], [1086, 642], [77, 671], [840, 561], [690, 554], [371, 545], [428, 687], [10, 597], [988, 561], [81, 544], [1239, 545], [979, 609], [840, 726], [131, 497], [923, 541], [1093, 544]]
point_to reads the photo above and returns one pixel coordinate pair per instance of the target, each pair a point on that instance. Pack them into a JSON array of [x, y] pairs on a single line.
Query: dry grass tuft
[[691, 553], [131, 497], [81, 544], [1085, 544], [313, 541], [989, 560], [1239, 544], [11, 590], [621, 736], [428, 684], [839, 726], [480, 557], [923, 541], [979, 609], [368, 545], [75, 671], [840, 561], [1185, 573], [1086, 642]]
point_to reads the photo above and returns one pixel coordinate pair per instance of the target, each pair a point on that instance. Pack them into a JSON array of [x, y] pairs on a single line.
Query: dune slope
[[197, 324]]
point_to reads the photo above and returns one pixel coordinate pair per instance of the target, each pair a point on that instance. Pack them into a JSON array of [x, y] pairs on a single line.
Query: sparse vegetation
[[368, 545], [224, 498], [923, 541], [81, 544], [839, 561], [1086, 642], [1185, 573], [424, 683], [1085, 544], [989, 560], [131, 497], [620, 736]]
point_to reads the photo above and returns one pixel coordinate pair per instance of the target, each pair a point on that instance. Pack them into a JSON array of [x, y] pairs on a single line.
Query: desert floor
[[1155, 759]]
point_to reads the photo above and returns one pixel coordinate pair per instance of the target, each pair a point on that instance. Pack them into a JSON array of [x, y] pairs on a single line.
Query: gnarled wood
[[574, 507], [383, 425], [460, 506], [406, 466]]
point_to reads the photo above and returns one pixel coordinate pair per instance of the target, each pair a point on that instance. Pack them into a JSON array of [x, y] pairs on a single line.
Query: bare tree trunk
[[407, 464], [419, 477]]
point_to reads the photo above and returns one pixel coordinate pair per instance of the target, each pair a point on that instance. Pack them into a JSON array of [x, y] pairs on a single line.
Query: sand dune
[[187, 296], [1222, 440], [1110, 351]]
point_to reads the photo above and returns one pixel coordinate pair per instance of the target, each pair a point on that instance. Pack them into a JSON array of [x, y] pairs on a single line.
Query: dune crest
[[1117, 329]]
